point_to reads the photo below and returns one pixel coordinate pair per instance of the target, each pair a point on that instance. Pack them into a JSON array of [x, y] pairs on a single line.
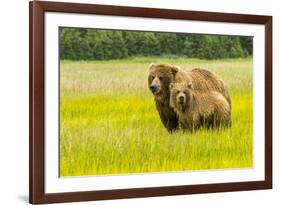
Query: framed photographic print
[[138, 102]]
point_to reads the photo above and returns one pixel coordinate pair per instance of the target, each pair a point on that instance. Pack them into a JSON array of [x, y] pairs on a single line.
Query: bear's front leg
[[169, 120], [193, 122]]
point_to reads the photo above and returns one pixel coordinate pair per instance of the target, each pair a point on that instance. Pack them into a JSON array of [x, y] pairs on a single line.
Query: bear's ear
[[189, 85], [151, 65], [171, 86], [174, 70]]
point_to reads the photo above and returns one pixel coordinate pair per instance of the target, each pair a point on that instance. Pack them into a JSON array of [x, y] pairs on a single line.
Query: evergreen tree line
[[91, 44]]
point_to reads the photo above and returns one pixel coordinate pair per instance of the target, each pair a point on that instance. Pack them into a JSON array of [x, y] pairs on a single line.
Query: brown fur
[[196, 108], [161, 75]]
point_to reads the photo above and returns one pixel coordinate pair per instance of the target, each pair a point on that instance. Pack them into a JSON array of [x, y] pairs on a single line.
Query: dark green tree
[[247, 44], [93, 44]]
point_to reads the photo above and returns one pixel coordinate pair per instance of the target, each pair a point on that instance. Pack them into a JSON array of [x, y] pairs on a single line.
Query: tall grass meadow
[[109, 123]]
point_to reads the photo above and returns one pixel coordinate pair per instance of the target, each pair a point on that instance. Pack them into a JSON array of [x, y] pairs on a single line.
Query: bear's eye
[[160, 78], [178, 92], [184, 92], [152, 77]]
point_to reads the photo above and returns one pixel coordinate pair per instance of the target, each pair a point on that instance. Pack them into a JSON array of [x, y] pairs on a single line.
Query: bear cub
[[199, 108]]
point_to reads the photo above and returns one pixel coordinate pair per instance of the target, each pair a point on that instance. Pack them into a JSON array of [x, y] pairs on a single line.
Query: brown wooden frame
[[37, 95]]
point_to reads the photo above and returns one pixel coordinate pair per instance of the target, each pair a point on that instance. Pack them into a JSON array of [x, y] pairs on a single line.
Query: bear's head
[[180, 95], [159, 79]]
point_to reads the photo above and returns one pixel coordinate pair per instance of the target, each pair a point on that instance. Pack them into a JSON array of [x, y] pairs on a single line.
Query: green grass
[[109, 123]]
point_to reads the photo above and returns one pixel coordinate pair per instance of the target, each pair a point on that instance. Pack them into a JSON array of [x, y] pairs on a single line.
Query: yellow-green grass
[[109, 123]]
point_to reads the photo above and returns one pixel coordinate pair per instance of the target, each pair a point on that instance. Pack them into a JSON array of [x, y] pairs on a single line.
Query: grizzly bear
[[199, 108], [161, 75]]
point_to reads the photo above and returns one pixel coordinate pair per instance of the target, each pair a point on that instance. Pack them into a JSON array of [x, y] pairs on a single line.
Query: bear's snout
[[153, 88], [181, 98]]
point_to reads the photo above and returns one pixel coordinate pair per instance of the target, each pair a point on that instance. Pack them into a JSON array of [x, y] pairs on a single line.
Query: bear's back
[[205, 80], [209, 102]]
